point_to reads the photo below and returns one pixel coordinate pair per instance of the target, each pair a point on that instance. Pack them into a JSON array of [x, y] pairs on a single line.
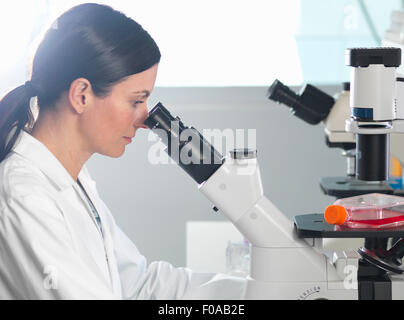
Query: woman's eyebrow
[[146, 93]]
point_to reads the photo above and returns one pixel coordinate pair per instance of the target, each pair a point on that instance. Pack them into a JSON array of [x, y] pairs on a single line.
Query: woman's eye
[[137, 102]]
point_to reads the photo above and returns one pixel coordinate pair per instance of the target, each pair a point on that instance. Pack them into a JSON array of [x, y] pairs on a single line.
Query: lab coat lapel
[[75, 217], [89, 186]]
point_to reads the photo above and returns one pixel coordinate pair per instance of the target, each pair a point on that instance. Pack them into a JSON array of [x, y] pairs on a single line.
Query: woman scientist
[[92, 74]]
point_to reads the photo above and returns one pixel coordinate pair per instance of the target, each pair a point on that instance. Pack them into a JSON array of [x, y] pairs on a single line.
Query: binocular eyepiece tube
[[312, 105], [185, 145]]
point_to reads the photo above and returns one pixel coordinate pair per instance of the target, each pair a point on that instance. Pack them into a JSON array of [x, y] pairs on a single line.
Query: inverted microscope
[[314, 106], [288, 260]]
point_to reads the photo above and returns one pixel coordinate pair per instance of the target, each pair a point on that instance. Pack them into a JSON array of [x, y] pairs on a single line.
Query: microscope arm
[[236, 190]]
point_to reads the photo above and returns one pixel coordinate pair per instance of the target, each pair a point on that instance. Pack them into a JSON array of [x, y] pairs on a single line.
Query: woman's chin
[[116, 153]]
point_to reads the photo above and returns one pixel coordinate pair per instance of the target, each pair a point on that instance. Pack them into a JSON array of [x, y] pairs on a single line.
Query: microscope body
[[283, 266], [377, 111], [288, 260], [375, 108]]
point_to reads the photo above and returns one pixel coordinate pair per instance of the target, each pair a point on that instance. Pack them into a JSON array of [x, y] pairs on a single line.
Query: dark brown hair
[[92, 41]]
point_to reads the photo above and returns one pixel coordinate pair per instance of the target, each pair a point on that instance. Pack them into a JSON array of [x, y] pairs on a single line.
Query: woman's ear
[[80, 95]]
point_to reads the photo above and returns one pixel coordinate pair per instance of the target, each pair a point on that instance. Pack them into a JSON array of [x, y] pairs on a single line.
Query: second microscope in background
[[314, 106]]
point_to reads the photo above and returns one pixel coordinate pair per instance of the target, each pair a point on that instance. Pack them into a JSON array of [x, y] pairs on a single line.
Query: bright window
[[220, 43]]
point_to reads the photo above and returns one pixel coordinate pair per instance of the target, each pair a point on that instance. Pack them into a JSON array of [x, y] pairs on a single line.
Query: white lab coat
[[50, 247]]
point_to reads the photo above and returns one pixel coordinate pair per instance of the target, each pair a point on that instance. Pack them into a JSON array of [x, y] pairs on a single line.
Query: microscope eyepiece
[[189, 149], [312, 105], [160, 118], [280, 93]]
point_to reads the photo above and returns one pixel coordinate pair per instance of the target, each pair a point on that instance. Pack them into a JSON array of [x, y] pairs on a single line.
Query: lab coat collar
[[32, 149]]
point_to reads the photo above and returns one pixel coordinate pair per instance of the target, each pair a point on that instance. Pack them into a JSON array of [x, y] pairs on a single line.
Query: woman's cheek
[[141, 115]]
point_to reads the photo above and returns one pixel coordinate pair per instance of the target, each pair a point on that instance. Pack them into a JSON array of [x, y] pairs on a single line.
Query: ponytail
[[15, 115]]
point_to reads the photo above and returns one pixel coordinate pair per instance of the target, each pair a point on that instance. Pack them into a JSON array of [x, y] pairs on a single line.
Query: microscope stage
[[344, 187]]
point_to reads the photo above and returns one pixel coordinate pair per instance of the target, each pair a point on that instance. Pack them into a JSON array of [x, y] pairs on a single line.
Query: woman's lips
[[128, 139]]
